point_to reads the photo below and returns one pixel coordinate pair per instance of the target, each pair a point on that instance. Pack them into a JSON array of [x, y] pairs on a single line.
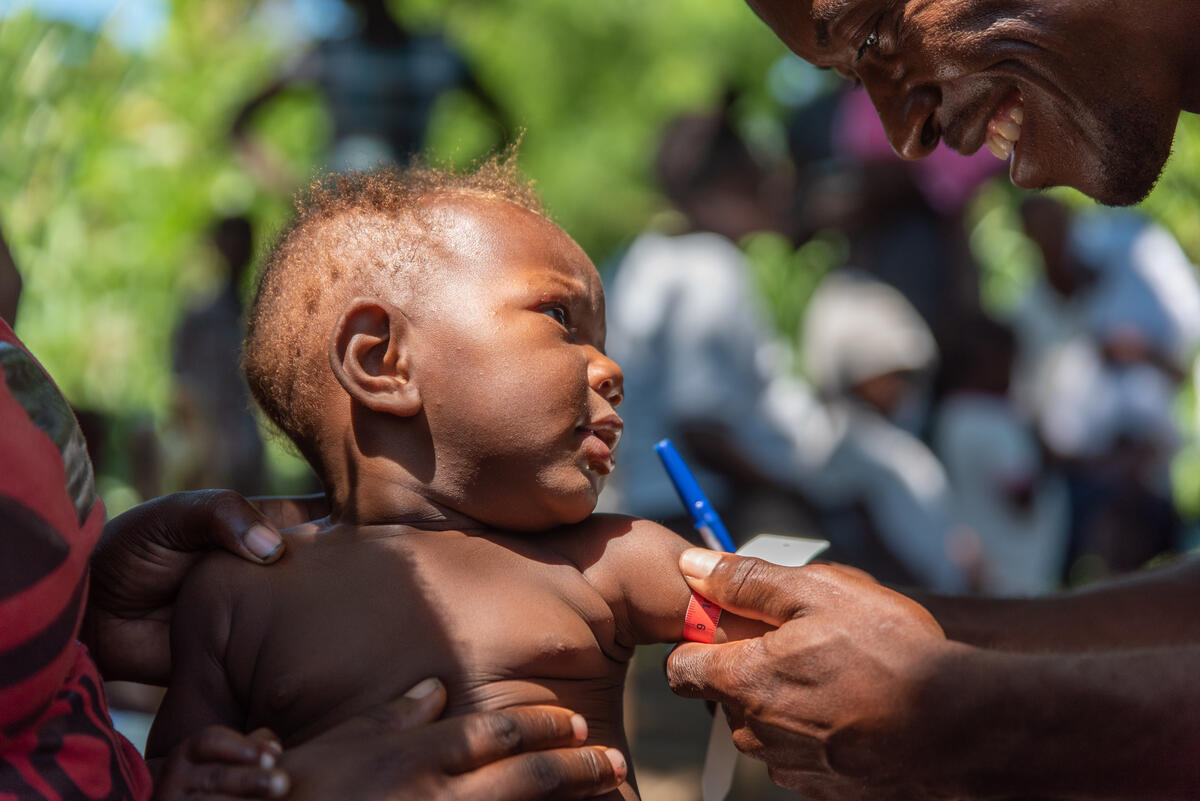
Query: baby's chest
[[495, 641]]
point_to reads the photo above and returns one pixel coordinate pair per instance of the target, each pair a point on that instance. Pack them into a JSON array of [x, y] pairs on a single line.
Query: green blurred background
[[115, 121]]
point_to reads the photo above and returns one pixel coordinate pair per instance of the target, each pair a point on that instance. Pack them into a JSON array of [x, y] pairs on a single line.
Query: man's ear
[[371, 358]]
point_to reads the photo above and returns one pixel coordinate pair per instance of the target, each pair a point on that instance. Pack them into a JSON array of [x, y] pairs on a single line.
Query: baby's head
[[430, 336]]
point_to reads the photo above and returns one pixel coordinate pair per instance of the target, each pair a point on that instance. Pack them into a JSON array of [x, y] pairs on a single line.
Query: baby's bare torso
[[353, 618]]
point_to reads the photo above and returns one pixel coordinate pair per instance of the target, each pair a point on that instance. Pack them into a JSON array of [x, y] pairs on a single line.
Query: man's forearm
[[1151, 608], [1100, 725]]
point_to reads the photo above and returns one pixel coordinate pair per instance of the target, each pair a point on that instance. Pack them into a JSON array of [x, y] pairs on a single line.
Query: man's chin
[[1127, 190], [1133, 161]]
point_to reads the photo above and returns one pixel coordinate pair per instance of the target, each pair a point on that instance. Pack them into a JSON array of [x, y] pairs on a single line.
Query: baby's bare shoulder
[[604, 539]]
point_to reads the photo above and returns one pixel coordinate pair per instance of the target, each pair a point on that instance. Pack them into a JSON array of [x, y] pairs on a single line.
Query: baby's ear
[[370, 356]]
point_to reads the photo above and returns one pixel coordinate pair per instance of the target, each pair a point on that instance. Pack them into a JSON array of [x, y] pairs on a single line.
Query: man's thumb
[[743, 585]]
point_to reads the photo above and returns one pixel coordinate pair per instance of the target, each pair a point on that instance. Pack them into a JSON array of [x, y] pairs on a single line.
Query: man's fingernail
[[262, 541], [617, 760], [266, 760], [422, 689], [698, 563], [579, 727]]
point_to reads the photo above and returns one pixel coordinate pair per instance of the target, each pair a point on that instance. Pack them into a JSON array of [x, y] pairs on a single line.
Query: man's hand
[[834, 699], [140, 563], [397, 753]]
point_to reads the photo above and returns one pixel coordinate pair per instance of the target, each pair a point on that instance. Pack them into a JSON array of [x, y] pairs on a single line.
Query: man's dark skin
[[862, 692]]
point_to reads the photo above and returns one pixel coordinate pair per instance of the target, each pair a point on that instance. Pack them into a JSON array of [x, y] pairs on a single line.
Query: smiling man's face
[[1080, 92]]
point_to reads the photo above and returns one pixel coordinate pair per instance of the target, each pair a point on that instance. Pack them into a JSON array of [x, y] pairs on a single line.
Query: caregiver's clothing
[[56, 738]]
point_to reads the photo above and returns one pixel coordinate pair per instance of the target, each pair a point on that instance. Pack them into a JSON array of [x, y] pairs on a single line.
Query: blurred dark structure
[[380, 84], [218, 444]]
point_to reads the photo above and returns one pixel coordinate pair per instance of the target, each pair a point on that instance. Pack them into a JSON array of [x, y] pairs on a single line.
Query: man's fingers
[[475, 740], [567, 773], [716, 672], [753, 588]]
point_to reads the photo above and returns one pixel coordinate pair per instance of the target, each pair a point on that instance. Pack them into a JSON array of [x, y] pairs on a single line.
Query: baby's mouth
[[1004, 128], [600, 441]]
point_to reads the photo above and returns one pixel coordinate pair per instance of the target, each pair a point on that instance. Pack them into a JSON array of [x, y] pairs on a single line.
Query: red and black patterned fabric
[[56, 737]]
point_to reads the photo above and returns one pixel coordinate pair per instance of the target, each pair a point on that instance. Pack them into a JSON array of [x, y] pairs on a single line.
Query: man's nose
[[908, 115], [605, 376]]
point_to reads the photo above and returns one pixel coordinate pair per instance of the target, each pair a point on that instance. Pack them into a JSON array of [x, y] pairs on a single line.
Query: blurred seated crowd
[[934, 444]]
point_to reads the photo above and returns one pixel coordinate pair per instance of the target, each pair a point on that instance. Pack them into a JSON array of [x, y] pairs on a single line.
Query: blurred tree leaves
[[116, 163]]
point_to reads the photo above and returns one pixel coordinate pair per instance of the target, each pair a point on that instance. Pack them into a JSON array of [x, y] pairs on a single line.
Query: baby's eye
[[558, 313]]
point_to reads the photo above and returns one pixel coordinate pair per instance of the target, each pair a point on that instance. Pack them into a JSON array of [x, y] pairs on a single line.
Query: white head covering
[[858, 328]]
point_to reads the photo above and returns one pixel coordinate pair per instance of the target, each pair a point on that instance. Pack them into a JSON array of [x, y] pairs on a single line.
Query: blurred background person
[[214, 439], [1007, 500], [687, 326], [884, 498], [1107, 337]]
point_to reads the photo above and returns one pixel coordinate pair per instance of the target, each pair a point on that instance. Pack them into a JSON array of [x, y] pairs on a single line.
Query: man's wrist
[[964, 705]]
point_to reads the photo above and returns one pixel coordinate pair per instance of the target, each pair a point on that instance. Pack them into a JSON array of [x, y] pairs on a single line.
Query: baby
[[434, 346]]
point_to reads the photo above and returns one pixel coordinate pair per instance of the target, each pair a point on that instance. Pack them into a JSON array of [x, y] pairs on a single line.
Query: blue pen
[[704, 516]]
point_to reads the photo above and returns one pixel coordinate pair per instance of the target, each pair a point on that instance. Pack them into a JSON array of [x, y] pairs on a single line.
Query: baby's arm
[[637, 571], [199, 693]]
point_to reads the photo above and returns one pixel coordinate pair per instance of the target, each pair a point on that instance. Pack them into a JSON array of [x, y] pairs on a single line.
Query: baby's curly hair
[[351, 232]]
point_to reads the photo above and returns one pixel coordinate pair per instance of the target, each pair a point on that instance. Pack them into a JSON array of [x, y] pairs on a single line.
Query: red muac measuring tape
[[700, 622]]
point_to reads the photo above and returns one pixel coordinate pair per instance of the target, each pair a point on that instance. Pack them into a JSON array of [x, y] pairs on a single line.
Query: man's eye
[[558, 313], [868, 44]]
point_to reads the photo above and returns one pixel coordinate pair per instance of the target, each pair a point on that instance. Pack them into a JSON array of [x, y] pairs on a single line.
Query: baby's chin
[[561, 508]]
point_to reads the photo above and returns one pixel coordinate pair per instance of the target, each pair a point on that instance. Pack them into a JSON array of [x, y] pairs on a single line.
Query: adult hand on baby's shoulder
[[838, 699], [220, 763], [399, 753], [142, 559]]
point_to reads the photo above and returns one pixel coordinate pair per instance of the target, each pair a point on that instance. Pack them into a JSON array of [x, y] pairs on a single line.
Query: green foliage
[[787, 276], [115, 165]]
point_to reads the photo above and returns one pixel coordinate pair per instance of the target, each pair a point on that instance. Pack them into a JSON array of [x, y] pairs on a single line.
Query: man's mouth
[[1004, 128]]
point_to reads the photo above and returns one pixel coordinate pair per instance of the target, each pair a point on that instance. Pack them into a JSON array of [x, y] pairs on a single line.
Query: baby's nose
[[605, 376]]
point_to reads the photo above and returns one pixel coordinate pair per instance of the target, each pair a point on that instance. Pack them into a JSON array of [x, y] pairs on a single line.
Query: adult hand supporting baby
[[832, 699], [141, 560], [398, 753]]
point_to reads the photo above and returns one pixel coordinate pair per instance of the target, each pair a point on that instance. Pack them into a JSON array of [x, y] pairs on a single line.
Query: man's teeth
[[1005, 131]]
